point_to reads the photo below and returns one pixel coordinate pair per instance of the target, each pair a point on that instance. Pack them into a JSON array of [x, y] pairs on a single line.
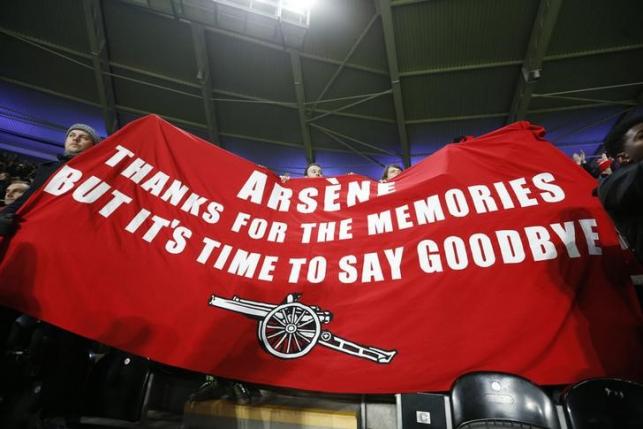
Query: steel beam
[[594, 88], [592, 52], [439, 119], [100, 60], [353, 104], [589, 100], [53, 48], [407, 2], [298, 81], [511, 63], [204, 77], [248, 97], [576, 107], [353, 139], [352, 149], [226, 134], [346, 58], [384, 8], [254, 40], [504, 114], [291, 144], [532, 66], [466, 67], [49, 91]]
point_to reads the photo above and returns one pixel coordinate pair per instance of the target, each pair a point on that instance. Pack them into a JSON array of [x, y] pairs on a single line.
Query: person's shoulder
[[624, 176]]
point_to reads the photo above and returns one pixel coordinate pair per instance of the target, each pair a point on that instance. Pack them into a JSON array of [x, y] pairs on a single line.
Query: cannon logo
[[291, 329]]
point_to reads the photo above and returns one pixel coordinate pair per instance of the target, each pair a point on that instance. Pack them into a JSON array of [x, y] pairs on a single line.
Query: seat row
[[493, 400]]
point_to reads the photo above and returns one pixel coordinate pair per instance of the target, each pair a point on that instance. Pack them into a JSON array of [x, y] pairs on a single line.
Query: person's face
[[14, 191], [393, 172], [632, 146], [314, 171], [77, 141]]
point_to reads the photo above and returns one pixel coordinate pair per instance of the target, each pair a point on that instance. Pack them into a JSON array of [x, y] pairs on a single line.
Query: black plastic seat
[[604, 403], [117, 386], [496, 400]]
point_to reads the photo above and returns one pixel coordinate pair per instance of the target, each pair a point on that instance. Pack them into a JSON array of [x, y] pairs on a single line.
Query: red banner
[[491, 254]]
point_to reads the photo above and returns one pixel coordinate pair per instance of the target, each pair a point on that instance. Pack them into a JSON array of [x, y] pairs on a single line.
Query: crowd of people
[[619, 171], [42, 367]]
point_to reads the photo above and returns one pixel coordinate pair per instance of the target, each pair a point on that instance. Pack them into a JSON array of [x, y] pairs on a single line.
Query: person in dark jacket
[[622, 192], [49, 393], [79, 138]]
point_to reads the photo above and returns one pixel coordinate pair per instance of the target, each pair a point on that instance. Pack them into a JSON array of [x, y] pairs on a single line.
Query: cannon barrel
[[249, 308], [259, 309]]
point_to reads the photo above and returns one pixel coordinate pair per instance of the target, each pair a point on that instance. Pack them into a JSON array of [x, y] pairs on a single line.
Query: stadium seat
[[492, 400], [117, 387], [604, 403]]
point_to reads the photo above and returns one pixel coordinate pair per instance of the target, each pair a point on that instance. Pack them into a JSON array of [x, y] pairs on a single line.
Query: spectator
[[14, 191], [581, 160], [313, 170], [65, 357], [461, 139], [12, 169], [284, 177], [391, 171], [622, 192], [79, 138], [4, 178]]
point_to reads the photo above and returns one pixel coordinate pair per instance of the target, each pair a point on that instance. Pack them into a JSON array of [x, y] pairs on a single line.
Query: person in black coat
[[48, 383], [622, 192]]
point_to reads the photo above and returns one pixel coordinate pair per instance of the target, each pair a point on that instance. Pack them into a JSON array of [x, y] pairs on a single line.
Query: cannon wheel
[[289, 330]]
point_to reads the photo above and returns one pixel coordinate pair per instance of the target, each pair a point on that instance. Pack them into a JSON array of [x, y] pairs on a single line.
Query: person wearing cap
[[621, 193], [79, 138], [61, 375]]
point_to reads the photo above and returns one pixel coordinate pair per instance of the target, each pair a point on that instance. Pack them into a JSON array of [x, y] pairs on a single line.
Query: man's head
[[79, 138], [313, 170], [15, 191], [391, 171], [625, 141]]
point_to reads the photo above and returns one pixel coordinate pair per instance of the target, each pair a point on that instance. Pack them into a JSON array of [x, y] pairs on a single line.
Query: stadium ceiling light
[[300, 6], [296, 12]]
